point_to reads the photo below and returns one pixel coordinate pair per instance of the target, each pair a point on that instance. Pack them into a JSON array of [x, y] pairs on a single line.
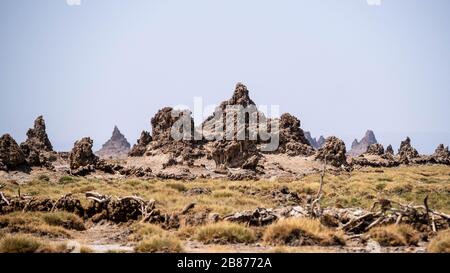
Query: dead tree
[[316, 200]]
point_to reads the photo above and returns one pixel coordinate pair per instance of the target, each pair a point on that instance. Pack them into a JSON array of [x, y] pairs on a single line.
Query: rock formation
[[333, 152], [292, 139], [82, 159], [11, 156], [360, 147], [239, 106], [116, 147], [234, 154], [37, 148], [375, 149], [320, 142], [389, 150], [167, 122], [441, 155], [315, 143], [406, 152], [140, 147], [238, 149]]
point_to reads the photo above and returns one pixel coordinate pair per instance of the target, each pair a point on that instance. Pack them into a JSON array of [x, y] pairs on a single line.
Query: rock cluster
[[406, 152], [230, 151], [442, 155], [11, 156], [360, 147], [333, 152], [37, 148], [292, 138], [375, 149], [389, 150], [82, 159], [116, 147], [140, 147]]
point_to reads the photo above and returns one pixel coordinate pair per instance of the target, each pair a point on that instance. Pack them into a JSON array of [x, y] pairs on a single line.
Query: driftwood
[[315, 202], [4, 198], [60, 200], [188, 207], [124, 205], [393, 212], [97, 197]]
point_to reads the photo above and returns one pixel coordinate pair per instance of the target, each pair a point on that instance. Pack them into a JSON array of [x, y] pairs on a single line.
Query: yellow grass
[[356, 189], [20, 243], [158, 243], [395, 235], [440, 243], [302, 231], [225, 233]]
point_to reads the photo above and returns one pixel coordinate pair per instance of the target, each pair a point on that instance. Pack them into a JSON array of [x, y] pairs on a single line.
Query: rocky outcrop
[[234, 154], [292, 138], [333, 152], [389, 150], [406, 152], [315, 143], [320, 142], [82, 159], [375, 149], [441, 155], [11, 156], [237, 149], [360, 147], [140, 147], [116, 147], [173, 134], [37, 148], [239, 106]]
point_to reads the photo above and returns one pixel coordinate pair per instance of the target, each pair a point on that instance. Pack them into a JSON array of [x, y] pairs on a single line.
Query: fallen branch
[[59, 200], [97, 197], [188, 207], [4, 198]]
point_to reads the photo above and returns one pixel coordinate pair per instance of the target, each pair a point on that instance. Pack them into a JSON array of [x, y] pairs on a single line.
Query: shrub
[[394, 235], [302, 231], [157, 243], [224, 232], [440, 243]]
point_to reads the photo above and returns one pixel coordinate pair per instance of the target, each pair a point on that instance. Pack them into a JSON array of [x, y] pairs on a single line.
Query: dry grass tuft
[[158, 243], [394, 235], [64, 219], [21, 243], [302, 232], [225, 233], [54, 224], [440, 243]]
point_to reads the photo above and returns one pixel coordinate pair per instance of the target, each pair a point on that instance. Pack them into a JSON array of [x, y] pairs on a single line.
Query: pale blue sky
[[341, 66]]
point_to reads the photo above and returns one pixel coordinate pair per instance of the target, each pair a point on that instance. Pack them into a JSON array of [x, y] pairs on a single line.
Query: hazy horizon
[[340, 67]]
